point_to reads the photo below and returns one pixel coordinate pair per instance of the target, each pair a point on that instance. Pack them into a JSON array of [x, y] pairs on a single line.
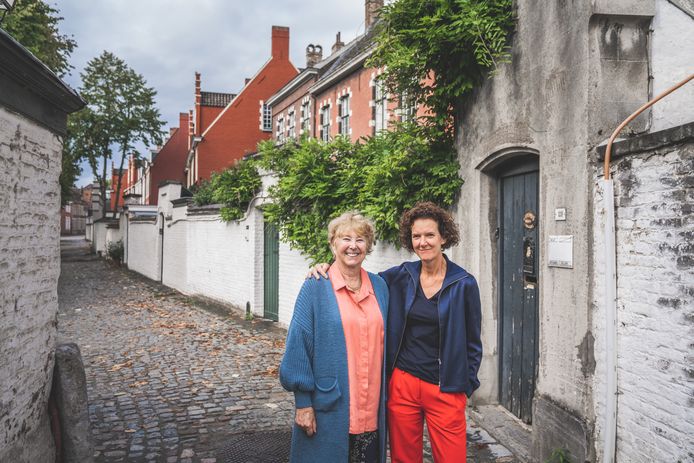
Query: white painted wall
[[220, 257], [99, 235], [672, 56], [655, 298], [176, 251], [29, 268], [144, 248]]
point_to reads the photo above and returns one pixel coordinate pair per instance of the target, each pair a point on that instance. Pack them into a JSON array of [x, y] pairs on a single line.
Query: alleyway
[[171, 379]]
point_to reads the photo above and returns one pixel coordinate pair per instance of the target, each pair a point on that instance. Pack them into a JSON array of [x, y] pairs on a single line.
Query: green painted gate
[[518, 288], [271, 270]]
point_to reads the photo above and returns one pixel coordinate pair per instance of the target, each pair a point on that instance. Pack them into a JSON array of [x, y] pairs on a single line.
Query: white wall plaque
[[560, 251]]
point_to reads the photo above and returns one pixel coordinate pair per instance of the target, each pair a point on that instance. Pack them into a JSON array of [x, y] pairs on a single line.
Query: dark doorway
[[271, 270], [518, 285]]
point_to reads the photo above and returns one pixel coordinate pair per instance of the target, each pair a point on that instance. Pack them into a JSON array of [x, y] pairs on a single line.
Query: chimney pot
[[314, 54], [338, 43]]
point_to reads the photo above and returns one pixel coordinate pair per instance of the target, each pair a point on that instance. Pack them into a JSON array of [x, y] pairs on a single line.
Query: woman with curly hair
[[433, 345]]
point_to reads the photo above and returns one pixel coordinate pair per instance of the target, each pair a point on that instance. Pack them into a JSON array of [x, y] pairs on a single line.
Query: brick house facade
[[115, 174], [169, 162], [225, 131], [337, 95]]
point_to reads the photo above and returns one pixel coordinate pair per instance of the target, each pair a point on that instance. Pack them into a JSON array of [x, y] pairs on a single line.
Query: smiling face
[[349, 249], [427, 242]]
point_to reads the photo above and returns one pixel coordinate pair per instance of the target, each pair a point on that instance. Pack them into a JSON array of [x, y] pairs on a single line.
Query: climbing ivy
[[380, 176], [436, 52], [233, 188]]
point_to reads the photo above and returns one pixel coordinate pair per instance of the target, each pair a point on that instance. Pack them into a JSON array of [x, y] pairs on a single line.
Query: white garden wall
[[144, 244], [204, 256]]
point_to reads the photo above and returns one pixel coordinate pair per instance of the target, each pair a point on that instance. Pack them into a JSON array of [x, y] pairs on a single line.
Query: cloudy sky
[[167, 41]]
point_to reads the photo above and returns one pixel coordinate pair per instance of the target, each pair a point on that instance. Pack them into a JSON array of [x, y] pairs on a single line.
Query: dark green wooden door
[[271, 265], [518, 283]]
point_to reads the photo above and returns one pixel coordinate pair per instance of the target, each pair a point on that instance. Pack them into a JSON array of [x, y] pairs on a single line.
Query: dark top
[[419, 354]]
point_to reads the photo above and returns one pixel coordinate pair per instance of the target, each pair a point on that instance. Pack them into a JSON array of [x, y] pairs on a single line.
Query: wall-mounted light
[[5, 7]]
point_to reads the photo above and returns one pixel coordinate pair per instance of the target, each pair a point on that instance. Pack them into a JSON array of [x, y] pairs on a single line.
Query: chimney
[[338, 43], [280, 42], [314, 53], [246, 80], [191, 128], [198, 102], [171, 131], [183, 121], [371, 8]]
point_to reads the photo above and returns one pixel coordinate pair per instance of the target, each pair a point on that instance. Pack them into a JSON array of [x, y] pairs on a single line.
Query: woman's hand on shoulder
[[318, 271], [306, 420]]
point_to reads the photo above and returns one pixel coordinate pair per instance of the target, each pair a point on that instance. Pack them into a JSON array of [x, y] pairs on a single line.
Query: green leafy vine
[[233, 188], [380, 176], [438, 51]]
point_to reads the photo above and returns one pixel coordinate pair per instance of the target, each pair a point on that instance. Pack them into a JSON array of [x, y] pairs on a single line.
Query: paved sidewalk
[[172, 380]]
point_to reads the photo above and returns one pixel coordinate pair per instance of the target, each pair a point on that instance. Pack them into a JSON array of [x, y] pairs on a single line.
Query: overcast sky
[[167, 41]]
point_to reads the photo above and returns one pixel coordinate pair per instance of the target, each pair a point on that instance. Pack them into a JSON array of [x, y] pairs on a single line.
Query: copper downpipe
[[608, 151]]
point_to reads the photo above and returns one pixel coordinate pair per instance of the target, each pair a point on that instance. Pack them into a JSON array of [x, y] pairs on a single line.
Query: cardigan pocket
[[327, 393]]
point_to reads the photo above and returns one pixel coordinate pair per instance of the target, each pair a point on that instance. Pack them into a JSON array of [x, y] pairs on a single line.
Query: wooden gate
[[518, 287], [271, 270]]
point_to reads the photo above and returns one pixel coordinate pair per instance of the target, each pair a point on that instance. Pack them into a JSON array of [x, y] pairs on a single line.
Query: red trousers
[[410, 402]]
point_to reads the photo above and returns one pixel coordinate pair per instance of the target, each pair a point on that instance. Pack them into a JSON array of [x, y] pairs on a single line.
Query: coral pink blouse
[[362, 323]]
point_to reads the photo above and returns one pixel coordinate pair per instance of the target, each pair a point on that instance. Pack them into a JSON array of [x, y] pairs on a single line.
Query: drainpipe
[[610, 431]]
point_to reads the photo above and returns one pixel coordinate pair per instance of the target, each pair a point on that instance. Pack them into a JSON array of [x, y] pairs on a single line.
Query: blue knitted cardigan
[[314, 368]]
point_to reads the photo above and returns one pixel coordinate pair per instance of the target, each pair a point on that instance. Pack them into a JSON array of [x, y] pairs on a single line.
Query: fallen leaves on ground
[[120, 366]]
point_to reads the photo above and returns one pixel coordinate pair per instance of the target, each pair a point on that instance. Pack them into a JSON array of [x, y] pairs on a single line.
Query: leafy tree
[[71, 168], [34, 24], [120, 111], [436, 52]]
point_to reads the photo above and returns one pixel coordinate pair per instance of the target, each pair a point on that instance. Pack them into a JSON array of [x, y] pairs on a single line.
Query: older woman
[[433, 346], [334, 355]]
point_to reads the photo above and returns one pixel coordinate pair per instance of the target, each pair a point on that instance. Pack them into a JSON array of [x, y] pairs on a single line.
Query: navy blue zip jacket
[[459, 323]]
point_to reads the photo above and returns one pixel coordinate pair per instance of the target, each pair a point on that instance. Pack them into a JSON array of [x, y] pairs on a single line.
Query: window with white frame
[[343, 115], [325, 123], [291, 124], [380, 106], [267, 118], [306, 118], [407, 109], [280, 135]]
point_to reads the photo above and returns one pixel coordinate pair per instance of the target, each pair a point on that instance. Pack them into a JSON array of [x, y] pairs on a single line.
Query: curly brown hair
[[428, 210]]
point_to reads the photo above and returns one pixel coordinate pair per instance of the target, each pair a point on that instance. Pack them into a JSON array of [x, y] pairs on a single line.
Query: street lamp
[[5, 7]]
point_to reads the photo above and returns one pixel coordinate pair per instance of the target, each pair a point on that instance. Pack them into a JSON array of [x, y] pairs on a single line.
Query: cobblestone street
[[172, 379]]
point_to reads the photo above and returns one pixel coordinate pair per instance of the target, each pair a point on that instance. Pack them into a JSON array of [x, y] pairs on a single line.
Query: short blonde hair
[[352, 221]]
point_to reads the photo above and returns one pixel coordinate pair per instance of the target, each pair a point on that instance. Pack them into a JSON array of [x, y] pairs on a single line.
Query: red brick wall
[[170, 162], [360, 85], [279, 109], [237, 131], [114, 187]]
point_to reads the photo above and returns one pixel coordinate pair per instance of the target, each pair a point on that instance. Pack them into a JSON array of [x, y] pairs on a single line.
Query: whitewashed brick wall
[[99, 242], [655, 304], [30, 159], [224, 261], [176, 253], [144, 255], [293, 269], [220, 258]]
